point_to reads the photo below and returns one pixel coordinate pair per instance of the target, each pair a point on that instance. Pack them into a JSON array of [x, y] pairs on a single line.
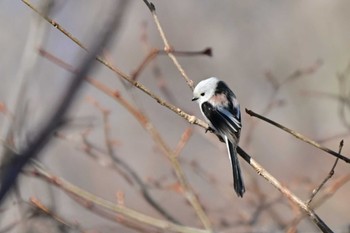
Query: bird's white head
[[205, 89]]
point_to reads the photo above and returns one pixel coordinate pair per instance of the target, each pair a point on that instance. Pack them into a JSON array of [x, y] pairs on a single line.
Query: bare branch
[[167, 48], [299, 136], [330, 174]]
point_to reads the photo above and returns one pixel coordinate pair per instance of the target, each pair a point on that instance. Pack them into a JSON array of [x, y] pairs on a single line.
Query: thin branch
[[299, 136], [151, 55], [167, 48], [330, 174], [155, 52], [43, 208]]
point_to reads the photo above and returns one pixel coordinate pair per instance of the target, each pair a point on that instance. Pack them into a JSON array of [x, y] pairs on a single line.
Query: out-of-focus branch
[[277, 85], [13, 130], [185, 137], [155, 52], [55, 120], [120, 162], [299, 136], [120, 209], [36, 203]]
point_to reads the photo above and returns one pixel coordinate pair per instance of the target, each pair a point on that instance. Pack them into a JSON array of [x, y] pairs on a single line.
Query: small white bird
[[221, 110]]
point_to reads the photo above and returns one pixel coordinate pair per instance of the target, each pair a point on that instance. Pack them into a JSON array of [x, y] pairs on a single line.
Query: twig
[[120, 209], [151, 55], [299, 136], [155, 52], [167, 48], [330, 174], [40, 206], [54, 121], [329, 192]]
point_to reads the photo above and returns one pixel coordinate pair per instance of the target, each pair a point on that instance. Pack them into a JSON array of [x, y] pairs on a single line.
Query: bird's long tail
[[238, 183]]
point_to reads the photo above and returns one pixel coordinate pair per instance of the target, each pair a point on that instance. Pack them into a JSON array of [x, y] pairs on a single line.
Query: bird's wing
[[222, 120]]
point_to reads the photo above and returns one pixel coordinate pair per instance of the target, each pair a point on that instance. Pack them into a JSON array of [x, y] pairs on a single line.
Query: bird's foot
[[210, 129]]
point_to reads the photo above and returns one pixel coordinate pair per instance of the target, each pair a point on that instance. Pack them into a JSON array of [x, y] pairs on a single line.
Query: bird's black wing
[[222, 120]]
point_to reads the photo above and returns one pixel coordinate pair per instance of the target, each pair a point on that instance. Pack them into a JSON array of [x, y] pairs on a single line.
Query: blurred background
[[288, 60]]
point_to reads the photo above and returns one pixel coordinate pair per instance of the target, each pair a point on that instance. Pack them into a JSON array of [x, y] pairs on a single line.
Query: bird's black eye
[[202, 94]]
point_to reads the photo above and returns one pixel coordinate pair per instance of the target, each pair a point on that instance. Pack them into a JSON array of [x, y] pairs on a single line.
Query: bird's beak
[[194, 98]]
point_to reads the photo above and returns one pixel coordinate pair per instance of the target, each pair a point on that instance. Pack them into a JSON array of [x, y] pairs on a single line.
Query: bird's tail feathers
[[238, 183]]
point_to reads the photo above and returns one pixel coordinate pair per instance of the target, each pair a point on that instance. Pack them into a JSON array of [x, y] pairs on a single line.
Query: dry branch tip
[[208, 52], [150, 6]]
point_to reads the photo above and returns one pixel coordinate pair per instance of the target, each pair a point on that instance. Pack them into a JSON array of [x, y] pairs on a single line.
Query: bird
[[221, 111]]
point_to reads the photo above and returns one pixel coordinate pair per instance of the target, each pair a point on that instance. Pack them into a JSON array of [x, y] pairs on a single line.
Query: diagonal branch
[[167, 47], [299, 136]]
